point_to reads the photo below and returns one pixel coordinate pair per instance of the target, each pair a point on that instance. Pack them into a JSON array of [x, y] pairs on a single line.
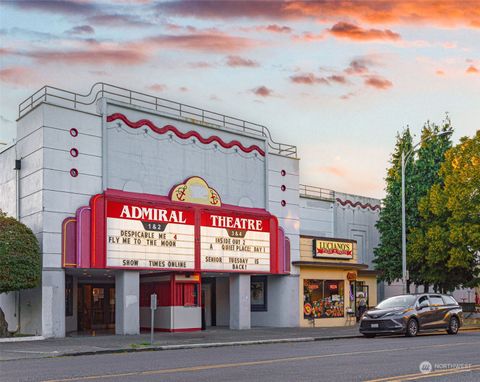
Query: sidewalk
[[218, 336]]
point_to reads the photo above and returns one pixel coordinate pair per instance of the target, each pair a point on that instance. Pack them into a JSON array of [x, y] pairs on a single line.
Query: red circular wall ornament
[[73, 132], [74, 172], [283, 187], [74, 152], [283, 172], [283, 203]]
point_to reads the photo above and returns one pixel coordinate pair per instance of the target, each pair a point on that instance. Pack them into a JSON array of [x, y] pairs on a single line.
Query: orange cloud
[[236, 61], [262, 91], [439, 72], [308, 79], [472, 70], [354, 32], [378, 82], [448, 13]]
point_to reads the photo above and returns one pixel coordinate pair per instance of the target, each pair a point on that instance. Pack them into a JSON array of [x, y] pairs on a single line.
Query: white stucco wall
[[153, 163], [316, 217], [358, 223]]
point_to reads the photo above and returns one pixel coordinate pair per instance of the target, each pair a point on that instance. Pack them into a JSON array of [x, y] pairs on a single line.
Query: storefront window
[[258, 294], [323, 298]]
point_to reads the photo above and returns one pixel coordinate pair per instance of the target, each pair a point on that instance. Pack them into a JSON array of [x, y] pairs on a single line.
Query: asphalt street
[[444, 357]]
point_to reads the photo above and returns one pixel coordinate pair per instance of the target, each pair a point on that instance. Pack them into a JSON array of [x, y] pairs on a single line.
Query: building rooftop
[[87, 102]]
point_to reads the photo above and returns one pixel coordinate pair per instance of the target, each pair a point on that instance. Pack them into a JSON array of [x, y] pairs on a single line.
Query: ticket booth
[[178, 302]]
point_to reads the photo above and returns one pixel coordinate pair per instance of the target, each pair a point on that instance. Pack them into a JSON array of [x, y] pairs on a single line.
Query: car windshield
[[397, 302]]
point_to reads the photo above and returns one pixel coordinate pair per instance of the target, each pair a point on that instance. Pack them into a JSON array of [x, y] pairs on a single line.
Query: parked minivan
[[408, 314]]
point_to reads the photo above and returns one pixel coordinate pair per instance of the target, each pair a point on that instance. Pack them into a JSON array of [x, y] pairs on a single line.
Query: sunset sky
[[336, 78]]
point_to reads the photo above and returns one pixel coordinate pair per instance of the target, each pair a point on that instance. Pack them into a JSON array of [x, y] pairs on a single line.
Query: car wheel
[[369, 335], [412, 328], [453, 326]]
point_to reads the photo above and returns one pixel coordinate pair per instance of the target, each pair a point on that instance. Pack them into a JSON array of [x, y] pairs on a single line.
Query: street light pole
[[404, 230], [405, 158]]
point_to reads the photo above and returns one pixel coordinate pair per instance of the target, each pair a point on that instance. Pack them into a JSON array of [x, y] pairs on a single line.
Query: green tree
[[452, 239], [388, 255], [430, 156], [20, 262]]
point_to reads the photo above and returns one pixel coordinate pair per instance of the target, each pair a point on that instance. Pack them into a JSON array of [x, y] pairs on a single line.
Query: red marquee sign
[[149, 232]]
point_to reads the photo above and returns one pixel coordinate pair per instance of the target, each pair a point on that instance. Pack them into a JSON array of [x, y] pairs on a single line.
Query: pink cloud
[[334, 170], [81, 30], [236, 61], [338, 79], [360, 65], [262, 91], [308, 79], [277, 28], [204, 42], [158, 87], [347, 96], [92, 55], [378, 82], [309, 37], [17, 75], [200, 65]]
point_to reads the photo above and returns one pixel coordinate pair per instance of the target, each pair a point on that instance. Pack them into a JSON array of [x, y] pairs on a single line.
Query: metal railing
[[87, 102], [317, 193]]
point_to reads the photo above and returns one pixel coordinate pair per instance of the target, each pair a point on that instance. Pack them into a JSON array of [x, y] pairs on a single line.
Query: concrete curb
[[220, 344], [206, 345]]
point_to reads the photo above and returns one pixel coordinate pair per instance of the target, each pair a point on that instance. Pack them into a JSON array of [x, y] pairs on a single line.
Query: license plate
[[374, 325]]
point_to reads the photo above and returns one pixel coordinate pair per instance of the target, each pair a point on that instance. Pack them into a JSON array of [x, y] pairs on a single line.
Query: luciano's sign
[[333, 249]]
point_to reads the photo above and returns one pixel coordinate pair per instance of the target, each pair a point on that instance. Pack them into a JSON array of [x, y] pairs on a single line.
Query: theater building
[[132, 195]]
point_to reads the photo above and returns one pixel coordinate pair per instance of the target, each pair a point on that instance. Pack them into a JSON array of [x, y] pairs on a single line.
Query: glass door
[[99, 307]]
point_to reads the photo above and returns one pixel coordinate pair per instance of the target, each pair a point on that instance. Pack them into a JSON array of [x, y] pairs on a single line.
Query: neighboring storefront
[[333, 284]]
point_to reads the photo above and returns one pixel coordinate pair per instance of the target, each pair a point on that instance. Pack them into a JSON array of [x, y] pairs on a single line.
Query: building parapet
[[314, 192], [87, 102]]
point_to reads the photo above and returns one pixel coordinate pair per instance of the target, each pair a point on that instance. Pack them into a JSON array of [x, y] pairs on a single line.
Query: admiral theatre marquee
[[190, 230], [232, 243], [148, 237]]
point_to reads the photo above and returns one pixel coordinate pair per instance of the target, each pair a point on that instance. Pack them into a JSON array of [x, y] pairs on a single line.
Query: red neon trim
[[179, 134], [364, 206], [93, 247]]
